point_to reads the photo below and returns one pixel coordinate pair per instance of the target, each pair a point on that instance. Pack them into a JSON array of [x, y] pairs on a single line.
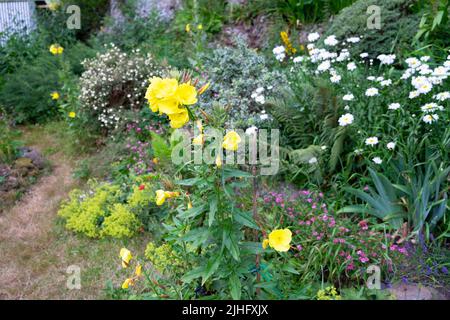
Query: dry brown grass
[[36, 249]]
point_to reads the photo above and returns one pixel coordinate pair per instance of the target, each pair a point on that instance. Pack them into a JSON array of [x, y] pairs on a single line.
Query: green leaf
[[191, 213], [211, 267], [252, 247], [193, 274], [246, 219], [235, 287], [188, 182], [234, 173]]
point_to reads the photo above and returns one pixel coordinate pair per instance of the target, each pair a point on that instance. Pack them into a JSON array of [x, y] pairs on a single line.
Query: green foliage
[[8, 141], [295, 11], [211, 14], [165, 259], [235, 74], [398, 27], [26, 93], [434, 20], [418, 198], [100, 212]]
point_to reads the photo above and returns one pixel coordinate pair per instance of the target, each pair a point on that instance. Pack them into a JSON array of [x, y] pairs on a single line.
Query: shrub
[[235, 75], [100, 212], [398, 26], [113, 83], [26, 92]]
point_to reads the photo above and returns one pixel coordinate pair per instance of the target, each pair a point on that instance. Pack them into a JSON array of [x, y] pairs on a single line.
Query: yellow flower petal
[[280, 239], [218, 162], [231, 141], [72, 114], [198, 140], [138, 271], [128, 282], [265, 243], [126, 257], [177, 120], [186, 94], [160, 197]]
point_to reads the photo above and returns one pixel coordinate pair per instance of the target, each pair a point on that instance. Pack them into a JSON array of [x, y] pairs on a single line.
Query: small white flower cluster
[[279, 52], [113, 82], [386, 58], [258, 96]]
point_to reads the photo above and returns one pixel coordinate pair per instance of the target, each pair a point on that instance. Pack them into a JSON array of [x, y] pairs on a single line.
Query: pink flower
[[363, 225], [350, 266], [363, 259], [299, 248]]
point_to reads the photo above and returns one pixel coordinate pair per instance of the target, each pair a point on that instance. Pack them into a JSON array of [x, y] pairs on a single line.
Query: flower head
[[56, 49], [371, 141], [231, 141], [280, 239], [54, 95], [126, 257], [346, 119]]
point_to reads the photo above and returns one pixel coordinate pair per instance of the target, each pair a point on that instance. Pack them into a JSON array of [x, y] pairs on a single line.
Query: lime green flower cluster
[[141, 195], [330, 293], [164, 258], [99, 212]]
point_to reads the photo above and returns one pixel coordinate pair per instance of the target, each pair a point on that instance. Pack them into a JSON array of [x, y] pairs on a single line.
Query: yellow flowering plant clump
[[290, 50], [329, 293], [56, 49], [170, 97]]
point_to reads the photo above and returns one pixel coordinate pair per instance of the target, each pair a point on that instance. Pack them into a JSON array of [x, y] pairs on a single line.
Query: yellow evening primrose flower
[[218, 162], [126, 257], [265, 243], [186, 94], [72, 114], [200, 27], [280, 239], [171, 194], [231, 141], [160, 197], [188, 28], [177, 120], [56, 49], [155, 160], [54, 95], [138, 270], [127, 283], [198, 140], [189, 206], [203, 88]]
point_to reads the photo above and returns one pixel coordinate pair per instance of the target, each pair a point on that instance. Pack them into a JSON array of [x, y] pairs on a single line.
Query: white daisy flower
[[298, 59], [377, 160], [414, 94], [348, 97], [425, 87], [371, 141], [335, 78], [394, 106], [386, 83], [413, 62], [364, 55], [346, 119], [391, 145], [442, 96], [425, 58], [430, 118], [431, 107]]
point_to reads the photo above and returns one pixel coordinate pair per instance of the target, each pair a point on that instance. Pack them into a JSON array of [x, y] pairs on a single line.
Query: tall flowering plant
[[207, 225]]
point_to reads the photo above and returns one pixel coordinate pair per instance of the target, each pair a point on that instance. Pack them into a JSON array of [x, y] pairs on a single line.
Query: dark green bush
[[25, 94], [398, 26]]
